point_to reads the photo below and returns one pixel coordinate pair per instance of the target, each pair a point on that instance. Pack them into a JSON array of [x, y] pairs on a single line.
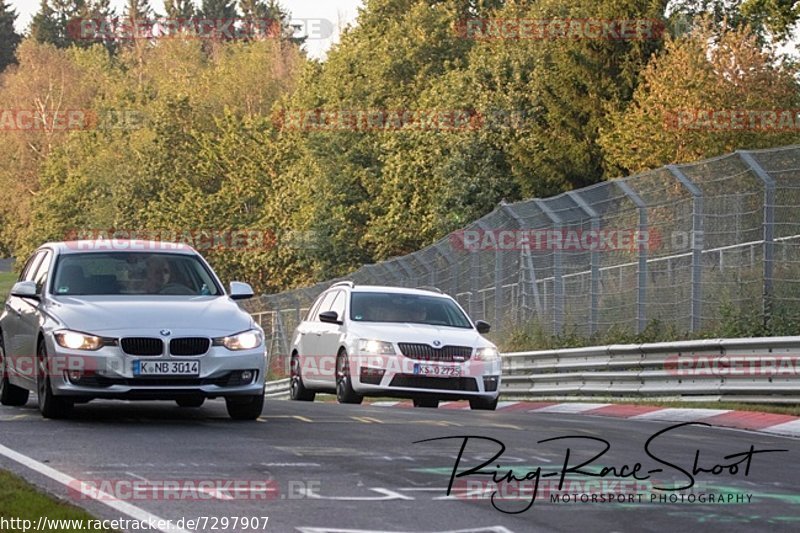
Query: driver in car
[[158, 275]]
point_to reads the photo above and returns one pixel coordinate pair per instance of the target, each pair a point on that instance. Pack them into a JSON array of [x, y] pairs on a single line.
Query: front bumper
[[108, 373], [396, 376]]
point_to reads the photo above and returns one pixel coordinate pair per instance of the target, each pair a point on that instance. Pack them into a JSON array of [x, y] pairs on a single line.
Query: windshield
[[132, 273], [410, 308]]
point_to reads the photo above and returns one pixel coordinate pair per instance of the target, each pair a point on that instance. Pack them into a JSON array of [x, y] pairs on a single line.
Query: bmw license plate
[[437, 371], [166, 368]]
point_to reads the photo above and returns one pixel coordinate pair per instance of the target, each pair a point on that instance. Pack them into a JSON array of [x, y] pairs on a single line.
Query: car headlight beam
[[487, 354], [74, 340], [246, 340], [375, 347]]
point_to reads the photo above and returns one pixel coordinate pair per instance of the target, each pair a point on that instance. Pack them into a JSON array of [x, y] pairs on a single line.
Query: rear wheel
[[191, 402], [245, 407], [50, 405], [430, 403], [344, 386], [9, 394], [298, 391], [483, 404]]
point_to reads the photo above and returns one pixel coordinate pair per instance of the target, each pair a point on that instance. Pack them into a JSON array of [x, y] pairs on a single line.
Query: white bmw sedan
[[130, 320], [386, 341]]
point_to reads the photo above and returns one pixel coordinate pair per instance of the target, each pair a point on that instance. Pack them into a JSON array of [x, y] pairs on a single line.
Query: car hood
[[419, 333], [180, 314]]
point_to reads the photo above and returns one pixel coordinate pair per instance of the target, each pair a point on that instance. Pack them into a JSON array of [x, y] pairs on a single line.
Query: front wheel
[[298, 391], [483, 404], [50, 405], [245, 407], [10, 395], [344, 386]]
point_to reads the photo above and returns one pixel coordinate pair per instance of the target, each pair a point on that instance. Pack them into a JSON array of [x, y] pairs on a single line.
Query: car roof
[[395, 290], [119, 245]]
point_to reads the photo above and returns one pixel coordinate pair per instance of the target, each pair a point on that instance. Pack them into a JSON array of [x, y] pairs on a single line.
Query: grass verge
[[7, 279], [20, 500]]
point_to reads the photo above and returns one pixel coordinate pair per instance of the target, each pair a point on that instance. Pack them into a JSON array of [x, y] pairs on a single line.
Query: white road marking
[[787, 428], [88, 491], [387, 495], [494, 529], [570, 408], [680, 415]]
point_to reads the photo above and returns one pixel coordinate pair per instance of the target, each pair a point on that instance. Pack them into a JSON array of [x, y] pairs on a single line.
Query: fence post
[[769, 229], [527, 260], [594, 260], [558, 270], [642, 250], [697, 245]]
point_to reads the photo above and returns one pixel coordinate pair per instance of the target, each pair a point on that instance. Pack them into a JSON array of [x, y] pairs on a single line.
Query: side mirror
[[241, 291], [483, 327], [25, 289], [330, 317]]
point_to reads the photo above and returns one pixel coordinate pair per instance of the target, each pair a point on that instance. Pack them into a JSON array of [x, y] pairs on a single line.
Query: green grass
[[19, 500], [7, 279]]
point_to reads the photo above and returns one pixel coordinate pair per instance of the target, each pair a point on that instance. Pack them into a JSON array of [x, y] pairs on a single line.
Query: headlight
[[247, 340], [73, 340], [372, 347], [487, 354]]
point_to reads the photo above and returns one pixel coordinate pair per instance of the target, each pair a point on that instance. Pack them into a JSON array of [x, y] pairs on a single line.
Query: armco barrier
[[760, 370], [277, 390], [742, 370]]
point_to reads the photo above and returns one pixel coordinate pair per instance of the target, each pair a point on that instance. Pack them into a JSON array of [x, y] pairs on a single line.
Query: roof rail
[[343, 284], [431, 289]]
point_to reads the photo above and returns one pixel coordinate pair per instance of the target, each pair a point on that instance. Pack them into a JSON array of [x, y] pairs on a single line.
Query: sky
[[335, 13]]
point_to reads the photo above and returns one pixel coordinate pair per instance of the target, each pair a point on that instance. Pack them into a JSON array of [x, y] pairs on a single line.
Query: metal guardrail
[[277, 390], [758, 370], [741, 370]]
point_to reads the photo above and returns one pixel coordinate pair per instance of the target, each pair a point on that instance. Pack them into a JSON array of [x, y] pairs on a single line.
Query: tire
[[191, 402], [10, 395], [297, 391], [483, 404], [429, 403], [344, 387], [245, 407], [50, 405]]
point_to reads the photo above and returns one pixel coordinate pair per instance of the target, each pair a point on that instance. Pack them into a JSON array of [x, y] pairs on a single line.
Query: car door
[[313, 355], [30, 318], [19, 362], [329, 339]]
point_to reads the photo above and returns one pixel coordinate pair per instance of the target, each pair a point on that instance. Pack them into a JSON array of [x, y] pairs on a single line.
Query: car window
[[41, 274], [132, 273], [326, 303], [406, 308], [338, 304], [314, 311], [30, 267]]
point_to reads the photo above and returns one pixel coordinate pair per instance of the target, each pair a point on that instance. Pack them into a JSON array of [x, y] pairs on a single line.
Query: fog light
[[247, 376], [75, 375], [371, 376], [490, 383]]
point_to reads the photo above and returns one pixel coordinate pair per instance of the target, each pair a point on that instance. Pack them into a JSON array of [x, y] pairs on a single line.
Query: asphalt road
[[325, 467]]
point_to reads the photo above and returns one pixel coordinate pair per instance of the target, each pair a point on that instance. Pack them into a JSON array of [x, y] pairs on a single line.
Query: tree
[[219, 9], [46, 27], [180, 9], [137, 10], [9, 39], [682, 111]]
